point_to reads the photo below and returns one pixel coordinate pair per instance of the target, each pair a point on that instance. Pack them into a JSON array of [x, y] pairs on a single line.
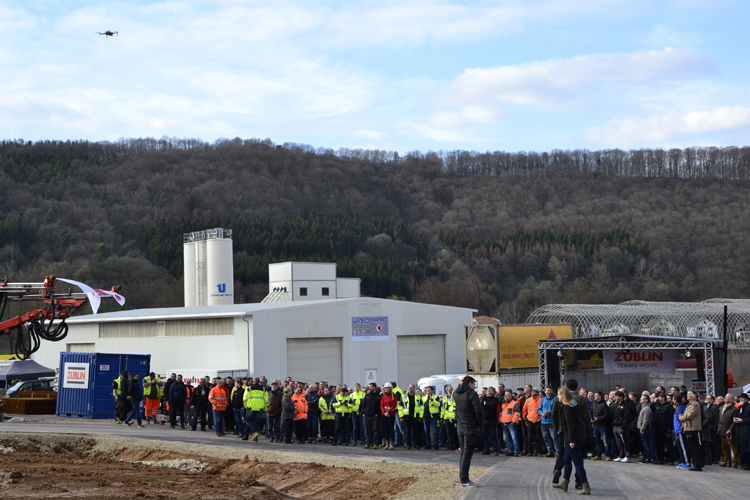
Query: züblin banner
[[639, 361], [518, 343]]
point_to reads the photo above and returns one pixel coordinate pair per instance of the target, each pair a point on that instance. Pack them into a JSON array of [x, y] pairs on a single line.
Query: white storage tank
[[219, 271], [188, 254], [440, 383]]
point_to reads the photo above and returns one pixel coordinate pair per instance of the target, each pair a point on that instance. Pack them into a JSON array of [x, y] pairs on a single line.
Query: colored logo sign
[[370, 328]]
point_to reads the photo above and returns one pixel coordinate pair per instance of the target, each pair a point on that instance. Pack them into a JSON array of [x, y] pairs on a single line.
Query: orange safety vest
[[511, 413], [189, 393], [531, 409], [218, 399], [300, 407]]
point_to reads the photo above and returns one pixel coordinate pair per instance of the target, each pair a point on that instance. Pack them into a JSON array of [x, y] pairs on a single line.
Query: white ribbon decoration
[[119, 298], [94, 299]]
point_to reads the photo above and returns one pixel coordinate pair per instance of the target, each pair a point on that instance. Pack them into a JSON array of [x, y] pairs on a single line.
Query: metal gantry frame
[[636, 317], [630, 342]]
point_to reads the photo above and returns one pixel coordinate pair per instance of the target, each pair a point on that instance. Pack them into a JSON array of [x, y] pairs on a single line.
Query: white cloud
[[568, 81], [669, 126]]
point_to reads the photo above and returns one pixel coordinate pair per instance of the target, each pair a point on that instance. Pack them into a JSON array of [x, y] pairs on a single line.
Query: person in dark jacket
[[727, 432], [120, 391], [468, 419], [236, 402], [287, 414], [135, 396], [663, 429], [710, 423], [621, 418], [489, 421], [572, 386], [600, 422], [177, 397], [199, 402], [167, 387], [313, 414], [372, 415], [575, 434], [274, 412], [743, 430]]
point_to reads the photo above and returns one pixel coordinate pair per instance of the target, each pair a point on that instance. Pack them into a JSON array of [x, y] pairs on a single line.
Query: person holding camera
[[468, 420]]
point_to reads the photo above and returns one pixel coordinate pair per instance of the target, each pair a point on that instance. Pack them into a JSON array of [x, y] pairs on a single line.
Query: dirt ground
[[78, 467]]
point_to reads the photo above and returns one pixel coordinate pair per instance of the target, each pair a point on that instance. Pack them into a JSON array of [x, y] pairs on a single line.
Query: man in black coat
[[199, 402], [663, 429], [489, 425], [177, 397], [468, 419]]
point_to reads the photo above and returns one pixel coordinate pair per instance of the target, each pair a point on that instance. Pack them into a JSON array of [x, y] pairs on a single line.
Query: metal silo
[[219, 267], [188, 253]]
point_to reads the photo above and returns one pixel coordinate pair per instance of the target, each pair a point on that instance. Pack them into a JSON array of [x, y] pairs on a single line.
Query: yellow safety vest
[[118, 381], [403, 408], [356, 398], [254, 399], [325, 413], [434, 405], [449, 409], [341, 404], [147, 390]]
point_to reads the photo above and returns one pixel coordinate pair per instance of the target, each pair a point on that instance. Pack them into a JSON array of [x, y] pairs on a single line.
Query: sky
[[402, 76]]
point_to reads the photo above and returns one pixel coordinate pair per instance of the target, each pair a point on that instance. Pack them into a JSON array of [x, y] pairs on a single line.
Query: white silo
[[209, 267], [220, 267], [188, 253]]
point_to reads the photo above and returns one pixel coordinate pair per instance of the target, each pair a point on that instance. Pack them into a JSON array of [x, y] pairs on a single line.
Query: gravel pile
[[182, 464]]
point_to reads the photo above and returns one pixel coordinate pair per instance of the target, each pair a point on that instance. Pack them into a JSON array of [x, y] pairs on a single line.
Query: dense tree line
[[500, 232]]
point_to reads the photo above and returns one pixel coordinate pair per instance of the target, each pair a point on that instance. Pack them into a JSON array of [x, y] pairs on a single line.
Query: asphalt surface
[[531, 478], [516, 478]]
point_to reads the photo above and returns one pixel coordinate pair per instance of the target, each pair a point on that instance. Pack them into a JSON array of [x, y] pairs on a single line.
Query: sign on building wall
[[76, 375], [367, 328], [639, 361], [518, 343], [371, 376]]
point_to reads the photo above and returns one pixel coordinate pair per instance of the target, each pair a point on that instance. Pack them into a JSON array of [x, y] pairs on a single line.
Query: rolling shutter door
[[313, 360], [419, 356]]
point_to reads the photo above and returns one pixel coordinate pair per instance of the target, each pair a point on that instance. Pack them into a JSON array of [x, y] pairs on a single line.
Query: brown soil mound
[[77, 472]]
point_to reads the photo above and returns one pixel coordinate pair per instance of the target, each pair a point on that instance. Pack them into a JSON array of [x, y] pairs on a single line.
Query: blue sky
[[504, 75]]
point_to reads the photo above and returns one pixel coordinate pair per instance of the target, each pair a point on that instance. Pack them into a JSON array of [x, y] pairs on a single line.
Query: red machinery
[[39, 324]]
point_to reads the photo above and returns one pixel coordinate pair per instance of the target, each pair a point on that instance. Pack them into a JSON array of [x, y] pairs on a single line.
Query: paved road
[[531, 478], [164, 433], [516, 478]]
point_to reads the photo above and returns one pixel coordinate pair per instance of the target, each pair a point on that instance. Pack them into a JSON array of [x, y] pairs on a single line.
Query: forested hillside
[[500, 232]]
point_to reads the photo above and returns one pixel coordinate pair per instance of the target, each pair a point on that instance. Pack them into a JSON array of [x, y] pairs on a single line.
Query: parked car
[[42, 384]]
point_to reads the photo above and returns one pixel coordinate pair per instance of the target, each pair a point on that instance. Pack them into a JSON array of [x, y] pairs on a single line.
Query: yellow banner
[[518, 343]]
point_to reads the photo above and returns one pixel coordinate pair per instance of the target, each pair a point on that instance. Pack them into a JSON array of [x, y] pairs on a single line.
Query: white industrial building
[[312, 326]]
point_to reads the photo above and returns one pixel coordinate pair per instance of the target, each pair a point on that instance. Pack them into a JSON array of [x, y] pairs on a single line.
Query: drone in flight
[[107, 33]]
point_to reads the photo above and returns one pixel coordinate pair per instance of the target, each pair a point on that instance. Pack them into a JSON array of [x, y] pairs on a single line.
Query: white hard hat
[[388, 384]]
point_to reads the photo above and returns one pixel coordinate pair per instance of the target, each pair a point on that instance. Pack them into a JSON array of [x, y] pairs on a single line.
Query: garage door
[[419, 356], [313, 360]]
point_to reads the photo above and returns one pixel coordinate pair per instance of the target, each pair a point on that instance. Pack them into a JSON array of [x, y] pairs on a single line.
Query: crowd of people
[[676, 427]]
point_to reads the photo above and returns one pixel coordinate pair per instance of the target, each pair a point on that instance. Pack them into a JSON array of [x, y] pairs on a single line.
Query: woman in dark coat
[[743, 431], [575, 435]]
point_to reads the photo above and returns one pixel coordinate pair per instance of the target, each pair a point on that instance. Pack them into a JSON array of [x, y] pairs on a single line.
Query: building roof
[[230, 311]]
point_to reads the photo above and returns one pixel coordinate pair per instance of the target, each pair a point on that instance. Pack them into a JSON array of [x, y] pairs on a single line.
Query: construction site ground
[[53, 457]]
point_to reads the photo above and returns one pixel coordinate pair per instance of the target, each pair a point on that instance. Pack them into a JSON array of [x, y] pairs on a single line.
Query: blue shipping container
[[84, 388]]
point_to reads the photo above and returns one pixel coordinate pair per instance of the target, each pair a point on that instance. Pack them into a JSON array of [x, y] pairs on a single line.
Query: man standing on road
[[199, 402], [490, 404], [468, 418], [220, 402], [152, 393], [411, 413], [120, 388], [177, 397]]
